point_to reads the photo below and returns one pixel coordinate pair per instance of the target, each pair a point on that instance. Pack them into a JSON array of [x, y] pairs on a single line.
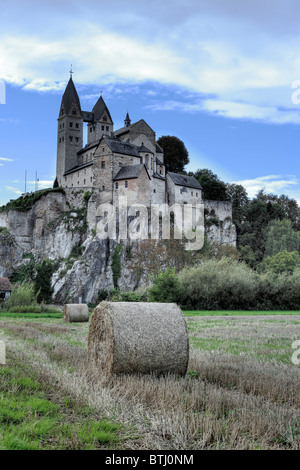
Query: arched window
[[146, 160]]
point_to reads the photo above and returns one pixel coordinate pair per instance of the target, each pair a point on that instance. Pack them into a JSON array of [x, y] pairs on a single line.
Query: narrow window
[[103, 188], [154, 190], [117, 185], [74, 112], [91, 129], [107, 128], [196, 194], [146, 160], [84, 181], [71, 138], [126, 184], [102, 128], [77, 125], [192, 193], [103, 165], [71, 124]]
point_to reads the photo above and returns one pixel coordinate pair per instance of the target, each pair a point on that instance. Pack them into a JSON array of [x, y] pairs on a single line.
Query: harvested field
[[242, 390]]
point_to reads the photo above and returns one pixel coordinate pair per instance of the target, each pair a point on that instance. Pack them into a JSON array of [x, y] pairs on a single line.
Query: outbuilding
[[5, 288]]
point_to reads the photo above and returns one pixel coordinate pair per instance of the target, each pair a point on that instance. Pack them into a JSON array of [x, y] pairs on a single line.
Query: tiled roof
[[5, 284], [78, 167], [183, 180], [159, 149], [130, 172], [119, 146], [144, 149]]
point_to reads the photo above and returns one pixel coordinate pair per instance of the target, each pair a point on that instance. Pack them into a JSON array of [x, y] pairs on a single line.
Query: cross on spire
[[71, 72]]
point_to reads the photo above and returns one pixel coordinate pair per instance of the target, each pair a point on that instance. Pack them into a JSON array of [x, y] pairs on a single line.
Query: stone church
[[124, 162]]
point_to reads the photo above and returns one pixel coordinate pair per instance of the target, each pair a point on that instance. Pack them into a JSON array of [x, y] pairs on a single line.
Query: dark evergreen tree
[[176, 155]]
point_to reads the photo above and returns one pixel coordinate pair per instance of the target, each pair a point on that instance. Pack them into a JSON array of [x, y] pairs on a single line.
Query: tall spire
[[70, 99], [127, 121]]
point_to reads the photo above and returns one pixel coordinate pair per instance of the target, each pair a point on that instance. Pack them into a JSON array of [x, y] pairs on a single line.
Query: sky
[[221, 75]]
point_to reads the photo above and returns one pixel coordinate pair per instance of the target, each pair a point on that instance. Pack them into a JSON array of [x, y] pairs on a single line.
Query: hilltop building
[[127, 161]]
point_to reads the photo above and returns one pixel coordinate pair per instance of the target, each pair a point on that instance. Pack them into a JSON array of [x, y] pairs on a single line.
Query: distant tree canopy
[[213, 187], [283, 262], [280, 237], [176, 155]]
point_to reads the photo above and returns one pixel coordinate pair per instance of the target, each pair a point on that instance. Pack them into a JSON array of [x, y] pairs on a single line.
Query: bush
[[166, 287], [23, 295], [117, 296], [224, 284]]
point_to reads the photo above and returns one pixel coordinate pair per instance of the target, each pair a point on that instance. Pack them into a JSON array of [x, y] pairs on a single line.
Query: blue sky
[[218, 74]]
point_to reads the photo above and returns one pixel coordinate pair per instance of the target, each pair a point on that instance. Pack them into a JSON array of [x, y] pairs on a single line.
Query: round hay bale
[[138, 337], [75, 313]]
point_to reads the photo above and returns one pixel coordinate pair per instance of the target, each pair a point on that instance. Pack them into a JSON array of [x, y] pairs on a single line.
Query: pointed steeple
[[99, 109], [70, 100], [127, 121]]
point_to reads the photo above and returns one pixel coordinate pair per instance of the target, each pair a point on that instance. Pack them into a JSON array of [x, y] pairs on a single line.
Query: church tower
[[102, 122], [69, 131]]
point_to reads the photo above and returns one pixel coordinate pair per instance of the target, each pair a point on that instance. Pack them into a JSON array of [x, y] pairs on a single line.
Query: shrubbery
[[23, 299], [219, 284], [166, 287], [227, 284]]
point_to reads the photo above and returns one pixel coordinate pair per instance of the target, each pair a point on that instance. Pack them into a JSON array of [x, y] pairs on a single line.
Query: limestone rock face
[[61, 227]]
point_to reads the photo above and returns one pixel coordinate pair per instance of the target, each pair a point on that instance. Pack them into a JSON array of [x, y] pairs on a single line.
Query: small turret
[[127, 121]]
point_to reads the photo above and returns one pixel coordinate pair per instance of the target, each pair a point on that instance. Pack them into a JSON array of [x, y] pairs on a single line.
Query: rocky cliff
[[60, 226]]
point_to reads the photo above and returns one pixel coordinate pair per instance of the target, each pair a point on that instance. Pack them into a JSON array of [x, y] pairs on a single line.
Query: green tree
[[280, 237], [213, 188], [281, 262], [166, 287], [176, 155], [42, 285]]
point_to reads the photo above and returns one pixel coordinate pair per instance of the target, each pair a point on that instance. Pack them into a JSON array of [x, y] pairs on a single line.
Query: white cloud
[[14, 190], [42, 184], [274, 184], [6, 159], [246, 56]]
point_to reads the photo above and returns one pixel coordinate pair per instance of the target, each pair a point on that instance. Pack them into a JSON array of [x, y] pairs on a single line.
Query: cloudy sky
[[222, 75]]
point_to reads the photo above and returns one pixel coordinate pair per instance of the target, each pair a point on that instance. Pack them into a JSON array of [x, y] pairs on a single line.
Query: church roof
[[99, 109], [119, 146], [69, 97], [78, 167], [5, 284], [144, 149], [159, 149], [130, 172], [183, 180]]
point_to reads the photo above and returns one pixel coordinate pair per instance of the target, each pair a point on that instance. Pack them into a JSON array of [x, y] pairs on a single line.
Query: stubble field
[[242, 390]]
